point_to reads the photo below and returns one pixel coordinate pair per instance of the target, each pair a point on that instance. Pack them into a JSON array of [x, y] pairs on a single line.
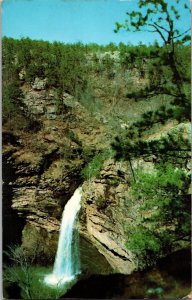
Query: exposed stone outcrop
[[104, 215], [39, 84], [47, 165], [188, 297], [45, 181], [108, 207]]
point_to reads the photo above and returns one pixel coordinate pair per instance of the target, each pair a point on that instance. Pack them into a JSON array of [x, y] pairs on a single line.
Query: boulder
[[37, 110], [51, 109], [39, 84], [22, 75]]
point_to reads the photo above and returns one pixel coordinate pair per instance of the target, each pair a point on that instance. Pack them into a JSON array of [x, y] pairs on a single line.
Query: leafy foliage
[[173, 146], [93, 168], [164, 211], [62, 65], [144, 241], [14, 111], [11, 96], [72, 71], [166, 189], [156, 16], [29, 277]]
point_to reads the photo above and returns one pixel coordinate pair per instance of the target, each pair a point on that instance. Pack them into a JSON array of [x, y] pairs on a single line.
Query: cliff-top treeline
[[67, 68]]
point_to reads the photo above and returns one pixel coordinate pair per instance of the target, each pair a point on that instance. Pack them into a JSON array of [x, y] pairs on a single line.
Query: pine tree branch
[[158, 31], [176, 37], [161, 27]]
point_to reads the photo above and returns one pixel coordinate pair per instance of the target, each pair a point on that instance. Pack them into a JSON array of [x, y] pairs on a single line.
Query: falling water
[[66, 264]]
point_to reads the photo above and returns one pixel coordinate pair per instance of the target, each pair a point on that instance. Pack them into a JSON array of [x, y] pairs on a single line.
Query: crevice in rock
[[47, 161], [10, 138], [113, 251], [13, 224], [104, 227]]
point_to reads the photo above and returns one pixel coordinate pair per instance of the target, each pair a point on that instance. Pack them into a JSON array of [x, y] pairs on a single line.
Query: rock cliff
[[104, 212], [48, 164]]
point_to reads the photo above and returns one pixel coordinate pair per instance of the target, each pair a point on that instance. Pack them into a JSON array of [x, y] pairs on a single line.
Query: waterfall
[[67, 264]]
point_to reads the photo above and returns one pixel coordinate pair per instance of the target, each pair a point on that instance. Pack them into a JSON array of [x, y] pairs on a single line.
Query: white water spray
[[66, 264]]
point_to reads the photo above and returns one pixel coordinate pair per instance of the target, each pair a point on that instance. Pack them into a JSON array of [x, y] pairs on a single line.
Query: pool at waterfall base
[[57, 280]]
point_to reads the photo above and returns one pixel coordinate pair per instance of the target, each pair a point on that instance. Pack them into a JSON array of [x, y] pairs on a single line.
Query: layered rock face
[[104, 213], [40, 192], [48, 165]]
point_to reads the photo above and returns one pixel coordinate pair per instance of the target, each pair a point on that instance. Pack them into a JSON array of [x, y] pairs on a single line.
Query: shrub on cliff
[[164, 211], [11, 98], [93, 168], [14, 113]]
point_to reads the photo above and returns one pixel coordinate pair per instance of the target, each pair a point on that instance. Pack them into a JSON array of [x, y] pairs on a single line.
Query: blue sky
[[71, 21]]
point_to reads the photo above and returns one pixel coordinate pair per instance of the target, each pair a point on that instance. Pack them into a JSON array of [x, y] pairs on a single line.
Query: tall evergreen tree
[[160, 17]]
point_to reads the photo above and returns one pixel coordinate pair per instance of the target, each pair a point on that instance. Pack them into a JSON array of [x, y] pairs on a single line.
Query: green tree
[[159, 17], [27, 276], [164, 210], [11, 99], [72, 71], [166, 77], [22, 277], [109, 66], [174, 147]]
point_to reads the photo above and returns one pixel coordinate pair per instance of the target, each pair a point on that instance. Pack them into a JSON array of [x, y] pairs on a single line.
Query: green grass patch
[[30, 282], [93, 168]]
